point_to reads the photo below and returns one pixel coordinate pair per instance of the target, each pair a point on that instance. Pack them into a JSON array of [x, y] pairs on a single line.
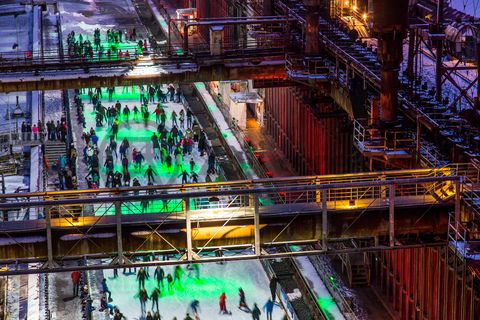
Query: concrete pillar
[[312, 46], [390, 21], [268, 8]]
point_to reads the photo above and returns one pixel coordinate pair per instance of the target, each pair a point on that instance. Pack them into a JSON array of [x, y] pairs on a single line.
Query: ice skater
[[195, 307], [268, 308], [256, 312], [106, 290], [242, 305], [154, 297], [194, 268], [273, 287], [159, 275], [143, 295], [223, 304], [141, 277], [170, 282], [178, 273], [76, 282]]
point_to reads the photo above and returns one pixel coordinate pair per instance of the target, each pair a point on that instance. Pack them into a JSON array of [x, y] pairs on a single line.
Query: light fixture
[[354, 8], [364, 16]]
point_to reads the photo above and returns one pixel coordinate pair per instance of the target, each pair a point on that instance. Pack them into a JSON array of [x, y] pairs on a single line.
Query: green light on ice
[[326, 304]]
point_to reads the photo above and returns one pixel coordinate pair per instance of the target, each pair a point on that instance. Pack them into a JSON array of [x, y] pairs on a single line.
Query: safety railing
[[389, 142], [301, 67], [217, 200]]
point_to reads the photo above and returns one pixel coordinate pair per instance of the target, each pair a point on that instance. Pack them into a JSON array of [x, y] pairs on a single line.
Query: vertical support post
[[477, 101], [417, 142], [411, 53], [185, 39], [48, 223], [439, 53], [186, 211], [312, 43], [324, 219], [391, 202], [118, 222], [256, 221], [457, 202]]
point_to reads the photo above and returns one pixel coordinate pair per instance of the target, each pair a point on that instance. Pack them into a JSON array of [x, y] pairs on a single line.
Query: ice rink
[[214, 279]]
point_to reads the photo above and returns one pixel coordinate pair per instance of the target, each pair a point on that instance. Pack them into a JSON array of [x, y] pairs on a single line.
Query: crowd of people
[[80, 46], [172, 144], [166, 284]]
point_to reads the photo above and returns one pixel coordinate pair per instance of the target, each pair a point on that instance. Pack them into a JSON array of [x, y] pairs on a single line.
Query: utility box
[[216, 40]]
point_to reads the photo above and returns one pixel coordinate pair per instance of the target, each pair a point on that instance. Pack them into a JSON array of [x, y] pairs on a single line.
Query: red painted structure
[[315, 139], [428, 283]]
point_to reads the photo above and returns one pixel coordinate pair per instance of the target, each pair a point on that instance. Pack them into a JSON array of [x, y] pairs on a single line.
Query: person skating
[[268, 308], [178, 273], [242, 304], [192, 165], [141, 277], [106, 290], [126, 178], [139, 158], [256, 312], [149, 316], [150, 173], [135, 113], [156, 146], [156, 316], [104, 305], [125, 145], [143, 295], [170, 282], [76, 282], [211, 163], [194, 177], [159, 275], [182, 118], [115, 129], [195, 307], [189, 118], [126, 113], [118, 315], [154, 297], [187, 317], [273, 287], [223, 304], [194, 268], [184, 176]]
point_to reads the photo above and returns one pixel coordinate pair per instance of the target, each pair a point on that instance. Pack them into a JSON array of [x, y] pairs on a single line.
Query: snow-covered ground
[[322, 295], [214, 279]]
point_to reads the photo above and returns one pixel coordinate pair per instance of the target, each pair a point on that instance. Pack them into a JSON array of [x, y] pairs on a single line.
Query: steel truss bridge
[[238, 220]]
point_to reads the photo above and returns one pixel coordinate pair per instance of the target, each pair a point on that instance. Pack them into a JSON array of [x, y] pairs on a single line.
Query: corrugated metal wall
[[316, 140], [427, 283]]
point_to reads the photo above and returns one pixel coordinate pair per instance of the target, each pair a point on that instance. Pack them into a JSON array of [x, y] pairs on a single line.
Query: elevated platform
[[265, 213]]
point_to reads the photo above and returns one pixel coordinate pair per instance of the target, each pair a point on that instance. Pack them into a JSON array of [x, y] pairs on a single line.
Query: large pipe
[[390, 21], [312, 37], [439, 52]]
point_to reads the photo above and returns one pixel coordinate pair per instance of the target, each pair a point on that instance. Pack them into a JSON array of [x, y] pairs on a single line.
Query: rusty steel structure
[[330, 76]]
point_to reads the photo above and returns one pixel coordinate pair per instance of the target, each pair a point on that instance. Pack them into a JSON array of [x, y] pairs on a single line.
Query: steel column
[[391, 203], [439, 53], [324, 220], [256, 221], [48, 222], [186, 211], [118, 221]]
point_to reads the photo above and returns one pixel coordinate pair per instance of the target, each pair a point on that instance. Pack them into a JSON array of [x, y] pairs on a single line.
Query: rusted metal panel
[[313, 136]]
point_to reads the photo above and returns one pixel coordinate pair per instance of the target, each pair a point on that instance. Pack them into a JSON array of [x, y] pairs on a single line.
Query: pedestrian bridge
[[196, 220]]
